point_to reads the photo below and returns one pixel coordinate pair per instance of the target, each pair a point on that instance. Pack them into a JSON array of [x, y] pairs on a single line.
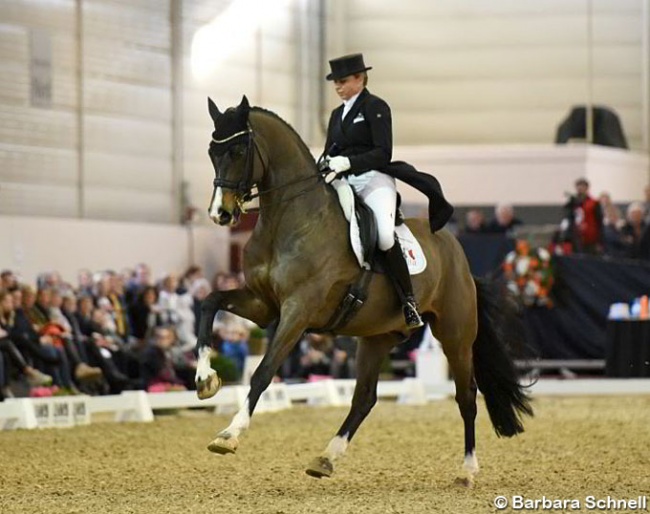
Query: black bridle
[[245, 185]]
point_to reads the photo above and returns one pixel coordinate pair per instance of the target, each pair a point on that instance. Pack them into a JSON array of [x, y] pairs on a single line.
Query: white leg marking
[[240, 422], [336, 447], [216, 204], [203, 368], [471, 463]]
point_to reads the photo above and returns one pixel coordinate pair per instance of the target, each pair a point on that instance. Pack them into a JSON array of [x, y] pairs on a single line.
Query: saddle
[[364, 235]]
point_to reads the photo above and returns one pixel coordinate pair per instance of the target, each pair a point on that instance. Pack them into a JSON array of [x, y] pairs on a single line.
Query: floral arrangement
[[529, 274]]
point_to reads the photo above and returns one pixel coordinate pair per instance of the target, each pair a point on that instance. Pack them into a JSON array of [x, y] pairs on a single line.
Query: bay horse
[[298, 265]]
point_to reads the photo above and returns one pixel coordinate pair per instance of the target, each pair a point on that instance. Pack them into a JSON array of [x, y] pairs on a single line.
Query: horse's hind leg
[[457, 340], [371, 352]]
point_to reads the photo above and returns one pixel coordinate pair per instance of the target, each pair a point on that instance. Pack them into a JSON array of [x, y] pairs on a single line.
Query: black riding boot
[[399, 273]]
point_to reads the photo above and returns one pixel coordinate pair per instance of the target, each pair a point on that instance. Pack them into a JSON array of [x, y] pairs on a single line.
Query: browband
[[230, 138]]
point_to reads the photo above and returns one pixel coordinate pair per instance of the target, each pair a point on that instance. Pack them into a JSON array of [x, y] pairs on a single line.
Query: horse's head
[[236, 160]]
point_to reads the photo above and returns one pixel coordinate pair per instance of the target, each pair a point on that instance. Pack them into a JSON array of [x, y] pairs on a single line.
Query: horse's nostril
[[224, 216]]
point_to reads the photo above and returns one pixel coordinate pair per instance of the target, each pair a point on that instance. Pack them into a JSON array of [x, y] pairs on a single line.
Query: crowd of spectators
[[596, 226], [113, 331], [589, 225]]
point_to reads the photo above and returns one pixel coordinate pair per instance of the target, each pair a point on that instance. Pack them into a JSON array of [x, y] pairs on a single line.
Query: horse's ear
[[244, 105], [214, 110]]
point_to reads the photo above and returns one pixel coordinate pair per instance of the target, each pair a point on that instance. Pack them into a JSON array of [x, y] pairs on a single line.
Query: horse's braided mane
[[302, 144]]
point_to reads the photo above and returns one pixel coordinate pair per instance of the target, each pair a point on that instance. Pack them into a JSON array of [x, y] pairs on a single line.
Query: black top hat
[[347, 65]]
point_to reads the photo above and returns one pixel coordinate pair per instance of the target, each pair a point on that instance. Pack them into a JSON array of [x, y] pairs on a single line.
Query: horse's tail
[[498, 330]]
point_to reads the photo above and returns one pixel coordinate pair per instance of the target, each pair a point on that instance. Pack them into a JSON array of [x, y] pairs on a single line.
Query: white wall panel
[[28, 245], [127, 136], [144, 174], [127, 111], [127, 204], [38, 199], [128, 100], [504, 71], [262, 66], [29, 164]]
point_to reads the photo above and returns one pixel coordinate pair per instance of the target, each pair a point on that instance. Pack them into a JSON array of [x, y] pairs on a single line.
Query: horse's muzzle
[[225, 217]]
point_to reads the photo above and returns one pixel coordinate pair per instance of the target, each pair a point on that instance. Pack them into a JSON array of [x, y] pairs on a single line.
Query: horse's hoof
[[224, 446], [209, 387], [320, 467]]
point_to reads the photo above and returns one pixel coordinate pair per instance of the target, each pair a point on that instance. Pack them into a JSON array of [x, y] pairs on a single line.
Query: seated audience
[[316, 355], [144, 313], [343, 357], [235, 345], [504, 221], [156, 364], [474, 222], [47, 319], [39, 348], [10, 356], [177, 310], [612, 224], [634, 232]]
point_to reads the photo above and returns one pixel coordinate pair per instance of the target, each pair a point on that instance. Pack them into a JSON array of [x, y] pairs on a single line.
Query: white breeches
[[378, 191]]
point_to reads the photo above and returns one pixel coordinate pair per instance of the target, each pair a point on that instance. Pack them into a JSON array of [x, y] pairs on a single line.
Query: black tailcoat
[[365, 137]]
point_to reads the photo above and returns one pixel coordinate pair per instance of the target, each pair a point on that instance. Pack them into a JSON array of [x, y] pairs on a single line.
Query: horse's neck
[[291, 178]]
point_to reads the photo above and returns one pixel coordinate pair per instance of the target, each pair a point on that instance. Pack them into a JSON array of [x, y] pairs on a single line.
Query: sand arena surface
[[403, 460]]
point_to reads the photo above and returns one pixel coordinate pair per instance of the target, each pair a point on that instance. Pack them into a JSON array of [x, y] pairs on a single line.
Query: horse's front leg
[[292, 325], [242, 302]]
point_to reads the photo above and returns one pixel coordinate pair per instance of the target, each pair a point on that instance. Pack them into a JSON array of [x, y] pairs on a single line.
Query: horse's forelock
[[229, 123]]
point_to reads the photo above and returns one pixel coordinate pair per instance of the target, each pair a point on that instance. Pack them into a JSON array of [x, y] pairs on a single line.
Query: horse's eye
[[236, 151]]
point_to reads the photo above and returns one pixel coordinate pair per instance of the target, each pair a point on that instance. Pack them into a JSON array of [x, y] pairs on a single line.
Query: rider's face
[[349, 86]]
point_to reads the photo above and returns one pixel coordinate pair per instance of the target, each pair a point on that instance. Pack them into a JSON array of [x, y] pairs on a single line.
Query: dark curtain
[[585, 286]]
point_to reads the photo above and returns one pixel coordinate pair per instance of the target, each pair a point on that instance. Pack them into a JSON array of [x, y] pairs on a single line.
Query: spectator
[[612, 224], [37, 347], [144, 313], [90, 351], [177, 310], [474, 222], [585, 220], [192, 274], [634, 231], [199, 290], [85, 282], [47, 318], [8, 281], [156, 365], [141, 279], [316, 358], [117, 299], [646, 205], [235, 345], [10, 354], [504, 221], [343, 357]]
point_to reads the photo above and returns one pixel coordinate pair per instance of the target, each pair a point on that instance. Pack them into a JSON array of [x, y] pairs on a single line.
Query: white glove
[[339, 164]]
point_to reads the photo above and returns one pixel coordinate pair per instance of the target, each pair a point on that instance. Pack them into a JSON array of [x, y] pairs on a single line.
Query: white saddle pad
[[411, 248]]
